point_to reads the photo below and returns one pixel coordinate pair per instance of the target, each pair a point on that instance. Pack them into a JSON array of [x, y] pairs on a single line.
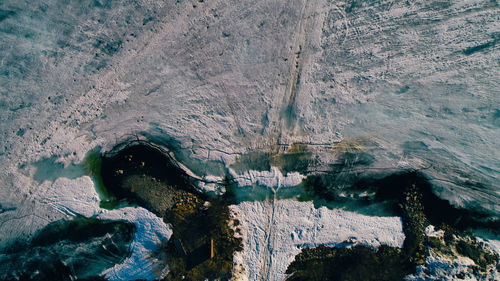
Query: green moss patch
[[92, 165], [356, 263]]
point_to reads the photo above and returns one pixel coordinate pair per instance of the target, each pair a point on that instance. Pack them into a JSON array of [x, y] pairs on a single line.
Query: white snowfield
[[273, 178], [418, 79], [274, 232]]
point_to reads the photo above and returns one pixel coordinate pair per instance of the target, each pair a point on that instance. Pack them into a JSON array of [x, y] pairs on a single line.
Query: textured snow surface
[[151, 232], [439, 268], [273, 178], [273, 233], [415, 80]]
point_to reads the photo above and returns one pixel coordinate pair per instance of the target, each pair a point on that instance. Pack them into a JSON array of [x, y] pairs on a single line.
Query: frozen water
[[416, 81], [66, 198]]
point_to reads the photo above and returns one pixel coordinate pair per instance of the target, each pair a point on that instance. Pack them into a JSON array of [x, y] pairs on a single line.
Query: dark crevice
[[4, 14], [478, 48]]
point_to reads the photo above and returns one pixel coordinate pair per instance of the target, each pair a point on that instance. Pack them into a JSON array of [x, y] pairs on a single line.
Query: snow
[[441, 267], [151, 232], [274, 232], [493, 244], [432, 232], [210, 183], [272, 178], [215, 80], [438, 267]]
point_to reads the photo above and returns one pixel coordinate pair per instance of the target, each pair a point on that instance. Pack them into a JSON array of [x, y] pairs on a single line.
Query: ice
[[151, 233], [226, 78], [222, 83], [66, 198], [416, 79]]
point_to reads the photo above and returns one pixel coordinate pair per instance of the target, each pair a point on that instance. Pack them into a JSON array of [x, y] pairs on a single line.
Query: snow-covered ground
[[272, 179], [222, 78], [69, 198], [416, 79], [274, 233], [443, 267]]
